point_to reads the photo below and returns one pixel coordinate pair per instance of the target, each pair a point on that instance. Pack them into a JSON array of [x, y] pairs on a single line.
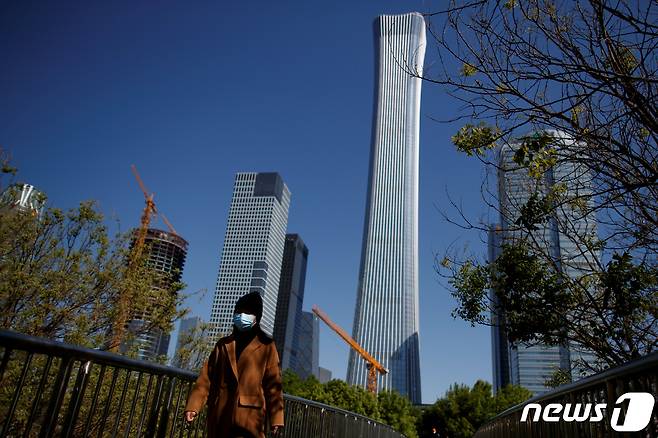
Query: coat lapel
[[230, 350], [249, 350]]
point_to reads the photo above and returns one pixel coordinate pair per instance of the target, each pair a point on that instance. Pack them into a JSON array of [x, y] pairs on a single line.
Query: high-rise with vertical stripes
[[386, 314], [253, 249]]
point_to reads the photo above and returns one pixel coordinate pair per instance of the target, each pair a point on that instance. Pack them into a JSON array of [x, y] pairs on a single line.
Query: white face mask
[[244, 321]]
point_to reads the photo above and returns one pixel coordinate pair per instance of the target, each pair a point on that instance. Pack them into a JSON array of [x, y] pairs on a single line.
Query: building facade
[[253, 249], [500, 347], [306, 354], [386, 314], [23, 197], [291, 296], [325, 375], [531, 366], [166, 254]]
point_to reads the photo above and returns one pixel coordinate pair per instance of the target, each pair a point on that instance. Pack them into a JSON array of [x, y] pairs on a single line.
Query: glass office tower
[[253, 249], [386, 314], [531, 366], [291, 297]]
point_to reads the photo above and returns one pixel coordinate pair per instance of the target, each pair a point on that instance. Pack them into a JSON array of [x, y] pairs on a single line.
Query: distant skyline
[[193, 94]]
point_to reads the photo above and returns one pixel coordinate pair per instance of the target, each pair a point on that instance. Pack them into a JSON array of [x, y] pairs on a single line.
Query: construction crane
[[135, 256], [149, 210], [372, 364]]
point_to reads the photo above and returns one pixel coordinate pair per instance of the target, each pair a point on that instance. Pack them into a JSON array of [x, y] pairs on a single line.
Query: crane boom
[[123, 304], [373, 365], [139, 181]]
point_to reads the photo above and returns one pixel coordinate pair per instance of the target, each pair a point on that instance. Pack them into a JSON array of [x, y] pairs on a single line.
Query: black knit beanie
[[251, 303]]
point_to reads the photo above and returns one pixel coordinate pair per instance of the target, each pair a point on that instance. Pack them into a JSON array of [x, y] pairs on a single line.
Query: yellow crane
[[135, 255], [149, 210], [372, 364]]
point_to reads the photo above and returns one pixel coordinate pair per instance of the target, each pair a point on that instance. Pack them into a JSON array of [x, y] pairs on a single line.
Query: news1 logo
[[638, 412]]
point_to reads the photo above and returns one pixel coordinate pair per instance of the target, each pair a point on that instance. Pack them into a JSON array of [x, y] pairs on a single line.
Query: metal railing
[[49, 388], [606, 387]]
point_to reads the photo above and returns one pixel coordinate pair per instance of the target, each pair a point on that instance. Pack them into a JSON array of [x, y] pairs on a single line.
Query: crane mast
[[135, 256]]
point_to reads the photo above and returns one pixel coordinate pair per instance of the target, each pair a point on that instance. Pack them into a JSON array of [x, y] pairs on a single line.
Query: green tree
[[352, 398], [587, 69], [398, 412], [195, 348], [389, 407], [309, 388], [463, 409], [61, 276]]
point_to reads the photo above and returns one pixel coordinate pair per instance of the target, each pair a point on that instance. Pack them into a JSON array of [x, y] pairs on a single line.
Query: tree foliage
[[581, 77], [389, 407], [463, 409], [61, 276], [195, 348]]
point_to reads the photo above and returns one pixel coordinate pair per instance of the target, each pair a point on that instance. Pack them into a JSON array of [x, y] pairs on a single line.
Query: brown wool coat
[[240, 393]]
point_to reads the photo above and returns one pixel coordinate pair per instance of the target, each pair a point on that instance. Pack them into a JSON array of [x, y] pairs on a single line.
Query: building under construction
[[165, 253]]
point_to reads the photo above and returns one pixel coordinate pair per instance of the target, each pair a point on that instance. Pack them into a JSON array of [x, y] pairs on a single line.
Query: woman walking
[[241, 380]]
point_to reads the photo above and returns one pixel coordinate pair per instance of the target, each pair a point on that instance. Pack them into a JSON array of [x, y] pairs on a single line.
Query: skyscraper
[[23, 197], [291, 296], [305, 360], [531, 366], [500, 347], [386, 315], [166, 254], [253, 249]]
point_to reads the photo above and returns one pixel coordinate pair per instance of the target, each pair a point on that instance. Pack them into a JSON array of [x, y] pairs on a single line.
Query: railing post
[[5, 361], [155, 409], [76, 398], [164, 419], [17, 392], [56, 398]]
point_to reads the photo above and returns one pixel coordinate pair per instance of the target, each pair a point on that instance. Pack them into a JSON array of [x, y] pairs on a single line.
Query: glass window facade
[[253, 249], [386, 314]]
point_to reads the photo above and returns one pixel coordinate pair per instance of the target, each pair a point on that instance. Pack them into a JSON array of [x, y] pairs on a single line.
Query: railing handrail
[[634, 366], [18, 341], [334, 409]]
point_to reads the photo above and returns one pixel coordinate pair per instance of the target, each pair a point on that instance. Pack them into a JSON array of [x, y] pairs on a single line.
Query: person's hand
[[190, 416], [276, 430]]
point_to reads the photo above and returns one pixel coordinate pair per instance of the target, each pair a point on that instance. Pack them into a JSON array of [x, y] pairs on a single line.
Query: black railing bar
[[196, 423], [155, 408], [17, 393], [94, 400], [78, 394], [37, 397], [178, 401], [644, 363], [122, 400], [133, 404], [5, 361], [187, 427], [57, 397], [108, 402], [145, 404], [19, 341], [166, 411]]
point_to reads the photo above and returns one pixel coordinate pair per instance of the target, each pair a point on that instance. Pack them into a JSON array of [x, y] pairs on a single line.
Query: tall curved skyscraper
[[386, 315]]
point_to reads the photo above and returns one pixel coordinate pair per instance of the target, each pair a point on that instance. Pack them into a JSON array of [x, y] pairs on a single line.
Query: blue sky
[[193, 92]]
